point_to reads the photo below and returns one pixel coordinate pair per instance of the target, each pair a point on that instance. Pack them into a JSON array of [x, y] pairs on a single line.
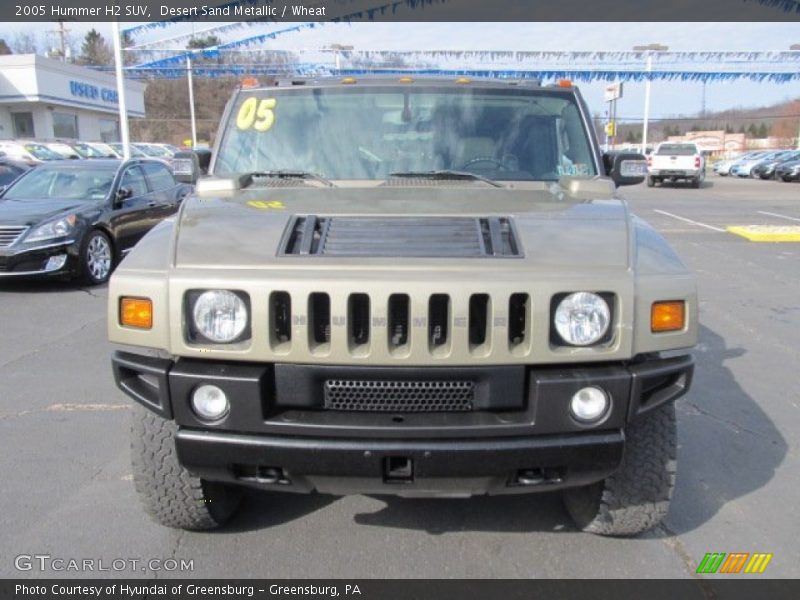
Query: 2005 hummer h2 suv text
[[422, 287]]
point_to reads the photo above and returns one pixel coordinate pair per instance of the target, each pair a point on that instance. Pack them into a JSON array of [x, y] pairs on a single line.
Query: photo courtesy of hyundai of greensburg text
[[387, 299]]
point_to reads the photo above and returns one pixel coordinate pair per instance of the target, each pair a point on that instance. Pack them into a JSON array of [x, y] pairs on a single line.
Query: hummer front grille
[[361, 324]]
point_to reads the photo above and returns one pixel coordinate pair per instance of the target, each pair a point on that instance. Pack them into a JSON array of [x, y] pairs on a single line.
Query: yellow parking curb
[[767, 233]]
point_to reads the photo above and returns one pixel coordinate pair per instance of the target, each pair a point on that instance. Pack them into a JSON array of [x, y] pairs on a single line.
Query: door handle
[[152, 203]]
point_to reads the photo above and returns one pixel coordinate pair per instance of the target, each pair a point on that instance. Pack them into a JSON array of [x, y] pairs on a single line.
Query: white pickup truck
[[676, 161]]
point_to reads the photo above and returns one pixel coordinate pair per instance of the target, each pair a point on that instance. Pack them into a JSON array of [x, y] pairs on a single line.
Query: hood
[[552, 230], [31, 212]]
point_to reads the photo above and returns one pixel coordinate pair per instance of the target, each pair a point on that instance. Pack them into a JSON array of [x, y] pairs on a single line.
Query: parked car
[[64, 150], [744, 167], [28, 151], [173, 150], [135, 152], [156, 150], [79, 218], [765, 169], [10, 170], [676, 162], [723, 167], [788, 171], [87, 150], [105, 149]]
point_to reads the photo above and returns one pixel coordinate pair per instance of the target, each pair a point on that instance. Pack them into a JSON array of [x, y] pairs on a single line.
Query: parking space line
[[772, 214], [699, 224]]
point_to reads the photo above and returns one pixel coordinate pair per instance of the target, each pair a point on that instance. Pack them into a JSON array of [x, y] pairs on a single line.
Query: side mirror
[[204, 158], [122, 195], [186, 167], [625, 168]]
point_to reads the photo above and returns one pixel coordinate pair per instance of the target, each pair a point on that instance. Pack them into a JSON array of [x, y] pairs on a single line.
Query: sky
[[668, 98]]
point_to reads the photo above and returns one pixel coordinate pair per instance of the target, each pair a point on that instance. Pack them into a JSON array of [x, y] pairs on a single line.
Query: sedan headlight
[[220, 316], [54, 229], [582, 318]]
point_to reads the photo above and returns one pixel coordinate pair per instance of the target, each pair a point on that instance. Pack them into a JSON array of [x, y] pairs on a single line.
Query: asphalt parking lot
[[67, 492]]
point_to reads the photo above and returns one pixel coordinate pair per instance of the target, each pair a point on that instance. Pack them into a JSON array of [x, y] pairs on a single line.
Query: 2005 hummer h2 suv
[[411, 286]]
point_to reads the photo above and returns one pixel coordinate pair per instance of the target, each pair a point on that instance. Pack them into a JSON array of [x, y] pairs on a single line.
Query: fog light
[[210, 403], [54, 263], [589, 404]]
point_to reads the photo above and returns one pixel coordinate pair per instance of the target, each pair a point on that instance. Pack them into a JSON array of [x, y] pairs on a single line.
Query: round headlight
[[220, 316], [582, 318]]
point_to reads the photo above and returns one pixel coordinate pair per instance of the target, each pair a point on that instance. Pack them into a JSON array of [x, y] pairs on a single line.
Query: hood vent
[[422, 237]]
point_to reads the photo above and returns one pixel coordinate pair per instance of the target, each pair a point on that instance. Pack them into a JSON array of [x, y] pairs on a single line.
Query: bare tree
[[25, 42]]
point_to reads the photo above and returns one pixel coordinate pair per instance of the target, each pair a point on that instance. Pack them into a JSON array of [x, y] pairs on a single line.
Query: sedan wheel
[[97, 259]]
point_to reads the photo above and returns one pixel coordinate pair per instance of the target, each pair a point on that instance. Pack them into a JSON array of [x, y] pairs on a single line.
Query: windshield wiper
[[447, 174], [291, 174]]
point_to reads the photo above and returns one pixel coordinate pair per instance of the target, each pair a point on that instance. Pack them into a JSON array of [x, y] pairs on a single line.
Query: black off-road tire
[[636, 497], [170, 494], [650, 181], [696, 182]]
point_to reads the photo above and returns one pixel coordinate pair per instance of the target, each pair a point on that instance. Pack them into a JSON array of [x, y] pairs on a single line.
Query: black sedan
[[788, 171], [79, 218], [767, 169]]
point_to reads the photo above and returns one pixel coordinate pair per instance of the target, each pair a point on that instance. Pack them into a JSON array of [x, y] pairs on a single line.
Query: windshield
[[677, 149], [86, 151], [62, 184], [41, 152], [371, 132], [135, 152], [153, 151]]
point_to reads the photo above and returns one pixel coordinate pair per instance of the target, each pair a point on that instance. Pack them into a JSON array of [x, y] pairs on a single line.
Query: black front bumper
[[32, 261], [520, 436]]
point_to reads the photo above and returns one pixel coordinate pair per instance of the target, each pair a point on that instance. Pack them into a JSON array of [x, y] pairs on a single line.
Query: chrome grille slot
[[319, 321], [358, 315], [478, 320], [11, 234], [280, 316], [518, 311], [399, 396], [438, 321], [399, 320]]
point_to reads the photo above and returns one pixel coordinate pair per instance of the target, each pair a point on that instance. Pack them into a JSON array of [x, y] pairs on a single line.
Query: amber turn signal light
[[136, 312], [668, 316]]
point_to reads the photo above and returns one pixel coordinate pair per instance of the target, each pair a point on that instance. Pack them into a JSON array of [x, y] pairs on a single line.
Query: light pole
[[123, 107], [336, 49], [796, 48], [649, 49]]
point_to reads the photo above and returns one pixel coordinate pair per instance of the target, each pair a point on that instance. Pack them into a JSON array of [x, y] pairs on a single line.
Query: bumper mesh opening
[[399, 396]]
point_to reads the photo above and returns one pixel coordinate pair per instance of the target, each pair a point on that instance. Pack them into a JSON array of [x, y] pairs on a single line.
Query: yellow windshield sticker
[[256, 114], [264, 205]]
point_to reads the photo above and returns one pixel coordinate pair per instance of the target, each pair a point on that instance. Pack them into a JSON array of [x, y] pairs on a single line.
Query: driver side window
[[133, 179]]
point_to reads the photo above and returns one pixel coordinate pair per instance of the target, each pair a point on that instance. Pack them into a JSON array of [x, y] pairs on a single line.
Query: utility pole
[[62, 35], [649, 49], [123, 107], [191, 101]]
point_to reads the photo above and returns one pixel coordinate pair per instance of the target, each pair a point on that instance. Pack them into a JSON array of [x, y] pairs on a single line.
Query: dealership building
[[44, 99]]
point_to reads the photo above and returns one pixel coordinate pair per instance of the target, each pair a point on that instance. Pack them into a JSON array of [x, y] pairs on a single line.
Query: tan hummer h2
[[411, 286]]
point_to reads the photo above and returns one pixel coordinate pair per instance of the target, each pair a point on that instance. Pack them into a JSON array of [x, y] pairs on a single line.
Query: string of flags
[[544, 75]]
